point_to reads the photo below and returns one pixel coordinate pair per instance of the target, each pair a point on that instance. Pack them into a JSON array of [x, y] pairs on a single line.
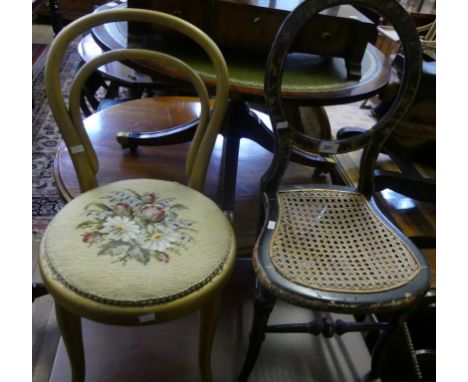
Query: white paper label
[[147, 317], [282, 125], [329, 147], [271, 224], [77, 149]]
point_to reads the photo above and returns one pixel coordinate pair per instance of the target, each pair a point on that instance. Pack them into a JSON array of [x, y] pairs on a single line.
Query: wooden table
[[54, 13], [310, 81], [167, 162]]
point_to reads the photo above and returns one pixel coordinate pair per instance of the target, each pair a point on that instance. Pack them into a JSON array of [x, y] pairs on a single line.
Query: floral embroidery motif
[[141, 227]]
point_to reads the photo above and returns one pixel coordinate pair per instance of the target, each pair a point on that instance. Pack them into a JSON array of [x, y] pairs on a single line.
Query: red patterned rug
[[37, 51], [45, 140]]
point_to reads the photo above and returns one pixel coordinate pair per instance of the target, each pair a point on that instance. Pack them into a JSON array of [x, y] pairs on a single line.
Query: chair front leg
[[383, 343], [70, 328], [209, 315], [263, 306]]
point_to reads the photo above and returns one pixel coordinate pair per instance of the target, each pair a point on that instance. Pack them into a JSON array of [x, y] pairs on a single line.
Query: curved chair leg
[[383, 343], [208, 319], [70, 328], [263, 306]]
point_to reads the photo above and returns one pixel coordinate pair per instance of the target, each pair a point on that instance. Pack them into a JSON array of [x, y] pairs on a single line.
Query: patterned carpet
[[45, 140]]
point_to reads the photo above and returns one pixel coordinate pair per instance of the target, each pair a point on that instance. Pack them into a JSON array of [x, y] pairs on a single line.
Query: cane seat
[[337, 241]]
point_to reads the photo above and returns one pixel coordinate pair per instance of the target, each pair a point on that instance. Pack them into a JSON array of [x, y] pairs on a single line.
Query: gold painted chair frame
[[70, 306]]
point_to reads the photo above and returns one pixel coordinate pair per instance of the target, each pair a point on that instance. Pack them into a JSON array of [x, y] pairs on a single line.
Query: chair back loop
[[69, 118], [287, 135]]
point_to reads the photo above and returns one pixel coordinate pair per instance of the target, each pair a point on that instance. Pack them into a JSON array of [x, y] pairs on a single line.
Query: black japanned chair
[[329, 248]]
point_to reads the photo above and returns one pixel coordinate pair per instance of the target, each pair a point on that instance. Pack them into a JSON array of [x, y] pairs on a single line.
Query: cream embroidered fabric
[[332, 240], [137, 242]]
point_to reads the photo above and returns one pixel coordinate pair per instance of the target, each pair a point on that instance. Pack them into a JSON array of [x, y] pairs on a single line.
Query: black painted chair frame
[[270, 285]]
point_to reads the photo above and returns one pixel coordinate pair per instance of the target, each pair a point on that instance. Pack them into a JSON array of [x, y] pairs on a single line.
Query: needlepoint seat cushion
[[137, 242], [333, 240]]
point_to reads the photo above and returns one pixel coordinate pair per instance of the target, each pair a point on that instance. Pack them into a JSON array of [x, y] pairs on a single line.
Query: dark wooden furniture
[[109, 78], [329, 248], [53, 10], [421, 11], [73, 9], [166, 162], [417, 220], [413, 143], [252, 25], [406, 178], [312, 82]]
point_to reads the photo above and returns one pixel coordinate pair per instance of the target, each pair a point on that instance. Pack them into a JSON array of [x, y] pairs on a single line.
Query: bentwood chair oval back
[[139, 251], [329, 248]]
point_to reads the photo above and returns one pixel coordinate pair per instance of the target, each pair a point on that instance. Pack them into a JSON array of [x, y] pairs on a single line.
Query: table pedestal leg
[[55, 16], [240, 122]]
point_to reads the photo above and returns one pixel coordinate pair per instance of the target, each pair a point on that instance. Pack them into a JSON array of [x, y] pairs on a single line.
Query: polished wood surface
[[36, 4], [126, 76], [54, 12], [311, 80], [412, 217], [72, 9], [167, 162], [252, 25]]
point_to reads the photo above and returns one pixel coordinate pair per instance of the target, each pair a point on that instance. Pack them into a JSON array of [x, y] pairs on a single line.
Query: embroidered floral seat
[[137, 242]]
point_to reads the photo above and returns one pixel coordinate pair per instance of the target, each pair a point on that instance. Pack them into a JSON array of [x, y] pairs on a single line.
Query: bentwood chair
[[144, 251], [329, 248]]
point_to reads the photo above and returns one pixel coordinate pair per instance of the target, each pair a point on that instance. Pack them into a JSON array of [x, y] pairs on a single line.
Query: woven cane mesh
[[333, 240]]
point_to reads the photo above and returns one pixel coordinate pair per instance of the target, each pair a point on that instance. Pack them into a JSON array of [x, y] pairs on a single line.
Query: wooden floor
[[168, 352]]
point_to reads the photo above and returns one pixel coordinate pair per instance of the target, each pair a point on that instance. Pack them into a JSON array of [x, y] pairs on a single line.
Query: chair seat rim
[[391, 299], [108, 312], [131, 315]]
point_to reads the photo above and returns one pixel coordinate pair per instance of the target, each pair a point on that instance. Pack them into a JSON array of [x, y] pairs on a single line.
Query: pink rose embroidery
[[162, 257], [149, 198], [129, 225], [90, 237], [122, 208], [152, 213]]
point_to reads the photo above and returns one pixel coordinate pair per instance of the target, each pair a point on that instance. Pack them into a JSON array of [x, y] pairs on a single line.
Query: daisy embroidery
[[129, 226], [120, 228]]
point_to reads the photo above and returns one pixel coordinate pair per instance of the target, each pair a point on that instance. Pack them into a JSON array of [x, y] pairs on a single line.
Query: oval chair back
[[287, 134]]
